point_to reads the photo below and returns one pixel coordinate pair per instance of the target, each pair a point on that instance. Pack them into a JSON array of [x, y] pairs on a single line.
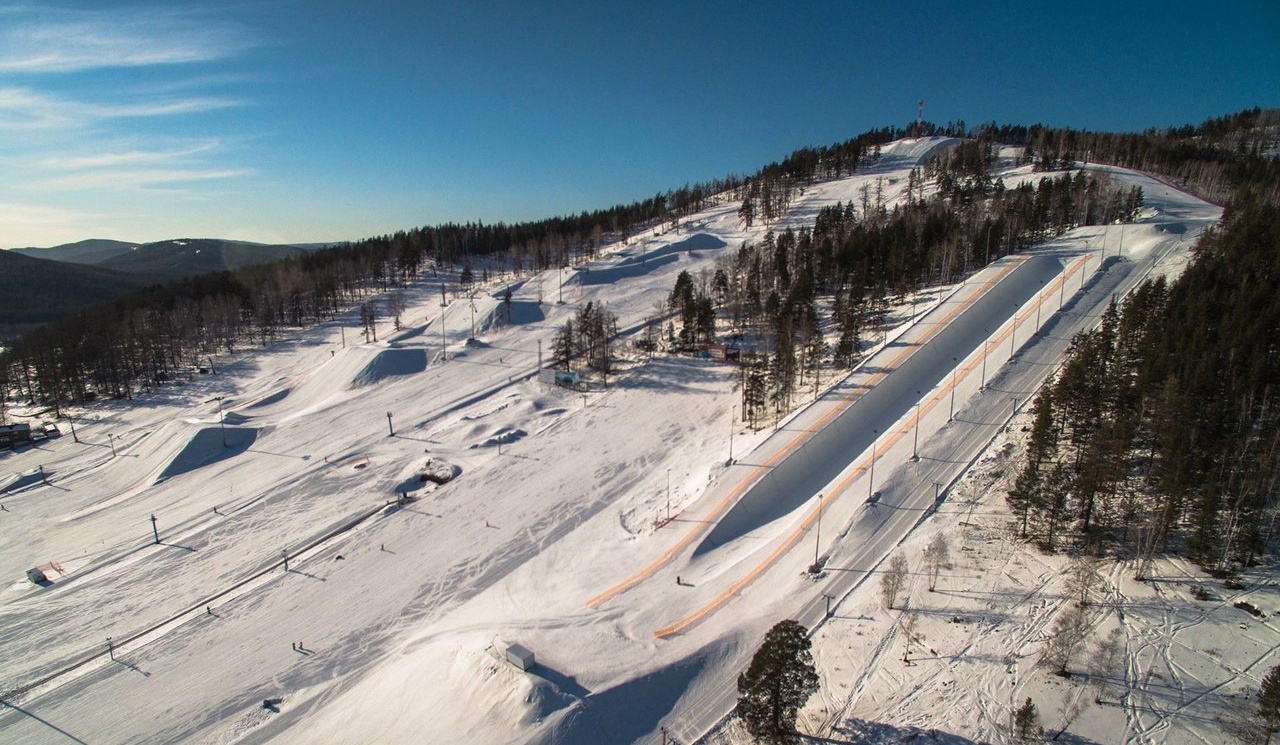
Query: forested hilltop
[[857, 256]]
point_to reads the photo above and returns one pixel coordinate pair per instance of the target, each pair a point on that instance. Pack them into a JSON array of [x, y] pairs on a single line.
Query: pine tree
[[1026, 724], [1269, 702], [778, 682]]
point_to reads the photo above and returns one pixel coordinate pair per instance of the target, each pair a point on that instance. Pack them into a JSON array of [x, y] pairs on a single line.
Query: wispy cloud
[[139, 178], [133, 157], [27, 108], [57, 41], [84, 129]]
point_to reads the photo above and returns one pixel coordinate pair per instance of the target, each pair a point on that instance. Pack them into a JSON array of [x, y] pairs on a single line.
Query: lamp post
[[444, 340], [733, 411], [1039, 302], [817, 538], [982, 384], [915, 434], [1013, 330], [871, 478], [951, 415], [221, 426]]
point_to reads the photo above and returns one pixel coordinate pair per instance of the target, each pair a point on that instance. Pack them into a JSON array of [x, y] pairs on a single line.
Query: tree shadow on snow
[[859, 731]]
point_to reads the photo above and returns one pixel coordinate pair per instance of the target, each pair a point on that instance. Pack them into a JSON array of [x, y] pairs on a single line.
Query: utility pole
[[982, 384], [444, 341], [951, 416], [1039, 302], [733, 412], [817, 538], [871, 480], [915, 434], [155, 533], [1013, 330], [111, 441], [285, 553], [221, 427], [390, 432], [111, 650]]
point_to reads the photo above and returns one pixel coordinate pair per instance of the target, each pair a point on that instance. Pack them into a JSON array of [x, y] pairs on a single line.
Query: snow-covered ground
[[606, 531]]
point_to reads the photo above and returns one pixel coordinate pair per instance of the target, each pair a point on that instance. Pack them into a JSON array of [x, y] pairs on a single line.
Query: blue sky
[[282, 120]]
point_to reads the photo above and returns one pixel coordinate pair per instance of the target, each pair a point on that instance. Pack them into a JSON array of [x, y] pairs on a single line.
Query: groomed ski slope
[[403, 610]]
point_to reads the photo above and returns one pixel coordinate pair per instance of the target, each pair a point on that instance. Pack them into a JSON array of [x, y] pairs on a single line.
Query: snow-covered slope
[[571, 527]]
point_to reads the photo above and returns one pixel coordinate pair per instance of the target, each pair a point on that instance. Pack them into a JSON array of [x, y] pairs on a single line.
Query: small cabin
[[13, 434], [719, 353], [568, 379], [36, 576], [520, 657]]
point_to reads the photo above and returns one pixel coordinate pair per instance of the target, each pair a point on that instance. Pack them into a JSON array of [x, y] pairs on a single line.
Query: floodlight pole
[[221, 427], [390, 431], [733, 410], [951, 415], [871, 480], [155, 534], [72, 422], [915, 434], [982, 385], [111, 441], [817, 536], [1013, 330]]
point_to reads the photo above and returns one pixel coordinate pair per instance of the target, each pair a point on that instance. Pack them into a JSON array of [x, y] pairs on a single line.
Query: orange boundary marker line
[[791, 445], [853, 475]]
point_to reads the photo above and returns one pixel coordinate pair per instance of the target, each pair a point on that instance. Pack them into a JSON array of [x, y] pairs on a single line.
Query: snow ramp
[[390, 363], [209, 445]]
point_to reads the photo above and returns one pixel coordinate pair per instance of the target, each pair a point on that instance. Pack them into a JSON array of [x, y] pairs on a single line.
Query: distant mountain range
[[175, 258], [42, 284]]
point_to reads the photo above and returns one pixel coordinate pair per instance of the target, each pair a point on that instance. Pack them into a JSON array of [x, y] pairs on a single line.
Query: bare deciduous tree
[[936, 556], [894, 580]]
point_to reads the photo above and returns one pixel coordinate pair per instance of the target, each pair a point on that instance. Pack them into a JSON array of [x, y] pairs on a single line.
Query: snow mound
[[207, 446], [19, 481], [391, 363], [504, 436], [274, 398]]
